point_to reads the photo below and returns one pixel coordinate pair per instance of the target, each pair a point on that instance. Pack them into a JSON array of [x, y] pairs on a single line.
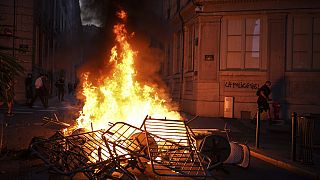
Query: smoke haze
[[143, 19]]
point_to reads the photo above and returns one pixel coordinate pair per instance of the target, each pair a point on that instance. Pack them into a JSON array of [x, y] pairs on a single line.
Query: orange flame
[[122, 15], [119, 97]]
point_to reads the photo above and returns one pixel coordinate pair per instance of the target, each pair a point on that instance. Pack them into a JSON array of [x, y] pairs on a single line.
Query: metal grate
[[176, 149], [86, 152], [166, 144]]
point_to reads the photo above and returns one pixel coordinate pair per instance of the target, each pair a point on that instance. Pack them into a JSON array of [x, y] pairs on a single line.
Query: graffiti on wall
[[242, 85]]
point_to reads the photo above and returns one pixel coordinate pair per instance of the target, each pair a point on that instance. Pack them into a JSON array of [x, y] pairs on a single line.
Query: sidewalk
[[17, 131], [275, 143]]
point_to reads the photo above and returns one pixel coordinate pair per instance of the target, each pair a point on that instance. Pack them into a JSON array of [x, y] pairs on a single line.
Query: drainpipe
[[34, 45], [14, 28], [53, 39]]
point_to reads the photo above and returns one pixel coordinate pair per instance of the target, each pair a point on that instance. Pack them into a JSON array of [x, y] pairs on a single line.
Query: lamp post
[[293, 135], [258, 128]]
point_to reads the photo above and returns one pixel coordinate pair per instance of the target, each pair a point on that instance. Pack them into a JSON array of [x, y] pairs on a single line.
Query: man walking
[[60, 86], [39, 91], [28, 89], [263, 99]]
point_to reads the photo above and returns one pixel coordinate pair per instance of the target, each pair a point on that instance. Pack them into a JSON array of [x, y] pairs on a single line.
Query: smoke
[[92, 12], [144, 19], [141, 12]]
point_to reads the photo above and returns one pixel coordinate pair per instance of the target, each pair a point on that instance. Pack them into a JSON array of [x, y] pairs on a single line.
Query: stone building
[[221, 51], [44, 36]]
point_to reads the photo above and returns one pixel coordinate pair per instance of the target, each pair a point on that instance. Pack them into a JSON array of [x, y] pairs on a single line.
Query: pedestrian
[[75, 86], [8, 96], [70, 88], [28, 89], [263, 94], [39, 89], [60, 86], [45, 90]]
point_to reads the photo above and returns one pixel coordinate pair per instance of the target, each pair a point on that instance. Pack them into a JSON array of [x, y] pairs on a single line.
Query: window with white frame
[[242, 38], [305, 39], [252, 51], [190, 48]]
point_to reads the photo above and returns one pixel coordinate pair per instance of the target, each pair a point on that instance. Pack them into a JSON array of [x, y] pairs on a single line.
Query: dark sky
[[142, 13], [144, 19]]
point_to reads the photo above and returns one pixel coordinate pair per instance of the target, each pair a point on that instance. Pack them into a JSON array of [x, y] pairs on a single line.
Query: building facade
[[44, 36], [16, 35], [221, 51], [58, 31]]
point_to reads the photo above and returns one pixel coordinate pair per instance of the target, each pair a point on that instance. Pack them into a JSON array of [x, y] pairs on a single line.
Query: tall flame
[[119, 97]]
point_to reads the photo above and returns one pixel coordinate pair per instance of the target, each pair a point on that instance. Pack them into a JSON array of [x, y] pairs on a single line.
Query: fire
[[119, 96], [122, 15]]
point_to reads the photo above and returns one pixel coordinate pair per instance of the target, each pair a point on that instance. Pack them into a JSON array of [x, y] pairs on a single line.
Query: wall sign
[[209, 57]]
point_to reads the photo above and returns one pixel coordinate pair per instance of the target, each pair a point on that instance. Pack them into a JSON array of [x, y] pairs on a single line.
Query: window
[[242, 43], [316, 43], [169, 59], [234, 43], [178, 5], [168, 5], [301, 56], [305, 39], [191, 32], [178, 52], [252, 51], [168, 13]]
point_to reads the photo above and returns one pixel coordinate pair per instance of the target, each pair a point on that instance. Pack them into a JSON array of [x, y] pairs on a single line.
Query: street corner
[[295, 167]]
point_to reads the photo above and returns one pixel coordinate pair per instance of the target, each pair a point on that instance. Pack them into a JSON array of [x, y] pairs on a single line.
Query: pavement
[[27, 122], [17, 132], [274, 143]]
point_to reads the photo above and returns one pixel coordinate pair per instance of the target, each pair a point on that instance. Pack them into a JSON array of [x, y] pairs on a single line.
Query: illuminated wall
[[232, 47]]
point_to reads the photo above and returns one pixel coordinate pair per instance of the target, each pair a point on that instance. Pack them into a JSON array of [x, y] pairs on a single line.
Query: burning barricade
[[168, 146]]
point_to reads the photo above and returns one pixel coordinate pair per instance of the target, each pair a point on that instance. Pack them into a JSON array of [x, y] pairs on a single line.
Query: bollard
[[293, 135], [258, 128]]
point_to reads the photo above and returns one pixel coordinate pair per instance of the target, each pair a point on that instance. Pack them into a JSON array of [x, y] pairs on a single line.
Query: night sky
[[144, 15], [144, 20]]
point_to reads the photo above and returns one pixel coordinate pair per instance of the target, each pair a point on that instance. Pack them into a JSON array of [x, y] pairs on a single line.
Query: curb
[[285, 165]]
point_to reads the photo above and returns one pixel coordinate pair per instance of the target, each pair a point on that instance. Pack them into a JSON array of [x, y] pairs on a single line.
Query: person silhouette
[[263, 94], [39, 89], [28, 88]]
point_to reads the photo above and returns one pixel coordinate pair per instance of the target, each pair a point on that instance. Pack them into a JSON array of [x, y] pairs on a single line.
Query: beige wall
[[235, 47]]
